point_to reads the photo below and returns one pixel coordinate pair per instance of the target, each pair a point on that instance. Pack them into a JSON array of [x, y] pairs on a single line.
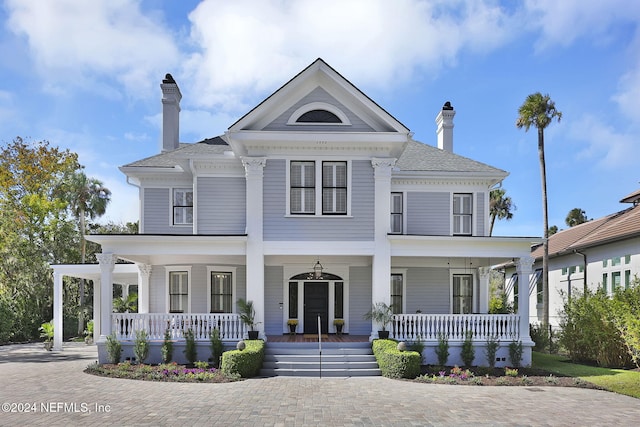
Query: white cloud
[[74, 42], [250, 46], [609, 147], [562, 22], [628, 95]]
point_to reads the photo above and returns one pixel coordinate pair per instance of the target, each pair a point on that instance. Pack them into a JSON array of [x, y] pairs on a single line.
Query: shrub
[[190, 351], [590, 332], [543, 338], [491, 350], [216, 347], [245, 363], [166, 351], [467, 352], [442, 350], [418, 346], [395, 363], [515, 353], [114, 349], [141, 346]]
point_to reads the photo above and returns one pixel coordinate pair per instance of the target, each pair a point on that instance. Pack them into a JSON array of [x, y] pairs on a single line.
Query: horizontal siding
[[157, 213], [221, 204], [481, 210], [428, 213], [199, 287], [279, 227], [428, 290], [273, 282], [359, 300], [319, 95]]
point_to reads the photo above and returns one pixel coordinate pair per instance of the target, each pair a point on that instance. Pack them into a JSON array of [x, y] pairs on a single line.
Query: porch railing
[[125, 325], [429, 327]]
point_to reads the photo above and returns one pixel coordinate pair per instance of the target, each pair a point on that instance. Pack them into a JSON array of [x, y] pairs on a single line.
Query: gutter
[[584, 260]]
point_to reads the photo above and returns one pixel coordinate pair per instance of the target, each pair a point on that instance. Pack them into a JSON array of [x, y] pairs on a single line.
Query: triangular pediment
[[318, 85]]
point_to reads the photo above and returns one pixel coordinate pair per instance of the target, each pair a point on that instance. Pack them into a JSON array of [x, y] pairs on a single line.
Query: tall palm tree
[[87, 197], [499, 206], [539, 111]]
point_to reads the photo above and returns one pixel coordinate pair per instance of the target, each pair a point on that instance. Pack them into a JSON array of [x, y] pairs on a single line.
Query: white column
[[107, 264], [523, 268], [57, 311], [484, 289], [254, 171], [381, 271], [97, 309], [144, 273], [125, 291]]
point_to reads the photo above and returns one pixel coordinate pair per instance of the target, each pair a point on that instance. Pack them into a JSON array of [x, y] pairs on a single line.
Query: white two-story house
[[316, 203]]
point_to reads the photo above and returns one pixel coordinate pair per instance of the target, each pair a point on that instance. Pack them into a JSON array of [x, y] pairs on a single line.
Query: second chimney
[[444, 121], [171, 97]]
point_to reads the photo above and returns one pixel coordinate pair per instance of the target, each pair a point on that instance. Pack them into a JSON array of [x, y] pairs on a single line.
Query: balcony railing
[[453, 327], [125, 325]]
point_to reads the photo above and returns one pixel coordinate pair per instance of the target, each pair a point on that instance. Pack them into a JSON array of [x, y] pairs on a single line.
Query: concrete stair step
[[317, 365], [316, 357], [325, 372]]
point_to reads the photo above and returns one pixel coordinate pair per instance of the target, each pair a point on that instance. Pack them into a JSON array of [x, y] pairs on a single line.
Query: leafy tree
[[86, 197], [500, 206], [575, 217], [553, 230], [35, 232], [539, 111]]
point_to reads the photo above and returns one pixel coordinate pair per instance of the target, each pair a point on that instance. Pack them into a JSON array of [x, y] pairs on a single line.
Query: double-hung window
[[397, 288], [303, 187], [334, 188], [462, 293], [462, 214], [396, 213], [178, 291], [182, 206], [221, 292]]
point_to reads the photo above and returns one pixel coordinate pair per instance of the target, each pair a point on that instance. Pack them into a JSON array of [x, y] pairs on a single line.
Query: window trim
[[222, 269], [293, 119], [335, 187], [471, 196], [318, 189], [174, 206], [400, 272], [474, 288], [401, 213], [291, 187], [168, 271]]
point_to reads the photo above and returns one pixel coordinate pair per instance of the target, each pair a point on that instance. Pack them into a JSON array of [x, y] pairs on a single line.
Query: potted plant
[[46, 332], [382, 314], [293, 325], [248, 317], [339, 324]]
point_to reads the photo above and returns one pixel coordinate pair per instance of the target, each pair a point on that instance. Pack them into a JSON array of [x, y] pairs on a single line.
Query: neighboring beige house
[[316, 203], [603, 253]]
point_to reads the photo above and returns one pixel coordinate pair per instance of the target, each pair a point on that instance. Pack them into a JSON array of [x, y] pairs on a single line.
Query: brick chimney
[[444, 121], [171, 97]]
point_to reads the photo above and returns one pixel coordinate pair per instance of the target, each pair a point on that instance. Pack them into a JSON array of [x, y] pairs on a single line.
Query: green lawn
[[617, 380]]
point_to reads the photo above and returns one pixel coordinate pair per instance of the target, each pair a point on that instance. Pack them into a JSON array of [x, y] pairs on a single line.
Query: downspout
[[584, 260]]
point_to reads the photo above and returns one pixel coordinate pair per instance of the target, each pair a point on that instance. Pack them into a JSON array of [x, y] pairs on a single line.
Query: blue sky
[[85, 76]]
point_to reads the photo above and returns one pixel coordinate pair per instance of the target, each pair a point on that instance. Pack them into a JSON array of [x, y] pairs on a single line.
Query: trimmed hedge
[[246, 363], [394, 363]]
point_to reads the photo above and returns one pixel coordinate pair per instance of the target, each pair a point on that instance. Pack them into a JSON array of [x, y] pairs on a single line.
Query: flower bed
[[168, 372]]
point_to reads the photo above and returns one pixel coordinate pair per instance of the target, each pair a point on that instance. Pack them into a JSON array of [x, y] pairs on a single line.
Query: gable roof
[[321, 74], [169, 159], [621, 225]]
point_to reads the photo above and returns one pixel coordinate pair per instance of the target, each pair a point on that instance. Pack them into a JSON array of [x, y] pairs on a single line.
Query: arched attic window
[[318, 113]]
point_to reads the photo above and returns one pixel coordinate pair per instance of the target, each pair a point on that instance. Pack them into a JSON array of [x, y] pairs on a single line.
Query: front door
[[316, 303]]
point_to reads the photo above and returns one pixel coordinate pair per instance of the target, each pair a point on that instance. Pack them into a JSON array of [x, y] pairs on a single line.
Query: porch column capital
[[107, 261], [383, 166], [144, 269], [254, 166], [525, 263], [484, 271]]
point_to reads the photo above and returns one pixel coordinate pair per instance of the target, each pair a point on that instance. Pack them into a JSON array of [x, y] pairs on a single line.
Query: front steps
[[339, 359]]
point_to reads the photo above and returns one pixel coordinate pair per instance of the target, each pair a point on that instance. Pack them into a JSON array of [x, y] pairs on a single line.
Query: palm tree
[[500, 206], [576, 216], [86, 197], [539, 111]]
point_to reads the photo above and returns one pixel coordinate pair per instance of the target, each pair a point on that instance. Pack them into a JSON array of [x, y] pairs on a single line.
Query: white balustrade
[[453, 327], [229, 325]]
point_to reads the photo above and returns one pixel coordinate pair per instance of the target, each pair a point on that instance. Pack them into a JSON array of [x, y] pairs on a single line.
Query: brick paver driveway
[[51, 389]]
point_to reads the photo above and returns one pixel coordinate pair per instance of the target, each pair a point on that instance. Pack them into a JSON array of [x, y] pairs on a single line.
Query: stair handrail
[[320, 343]]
